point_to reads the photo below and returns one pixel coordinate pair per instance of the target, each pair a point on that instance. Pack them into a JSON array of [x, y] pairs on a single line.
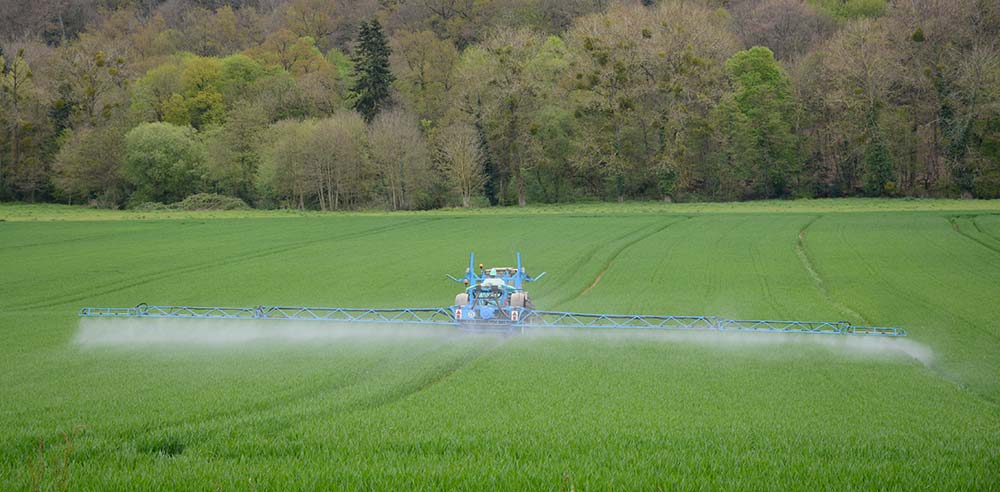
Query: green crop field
[[433, 410]]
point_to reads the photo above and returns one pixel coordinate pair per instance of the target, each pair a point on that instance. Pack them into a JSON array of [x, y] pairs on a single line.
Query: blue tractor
[[493, 297]]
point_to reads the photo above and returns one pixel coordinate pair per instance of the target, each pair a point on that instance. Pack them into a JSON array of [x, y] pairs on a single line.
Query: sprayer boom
[[494, 300], [536, 319]]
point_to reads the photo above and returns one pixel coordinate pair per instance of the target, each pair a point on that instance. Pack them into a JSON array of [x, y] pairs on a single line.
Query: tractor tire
[[462, 299], [528, 303], [517, 299]]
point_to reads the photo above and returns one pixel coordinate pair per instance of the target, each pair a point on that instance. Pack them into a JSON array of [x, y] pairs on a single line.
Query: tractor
[[493, 297]]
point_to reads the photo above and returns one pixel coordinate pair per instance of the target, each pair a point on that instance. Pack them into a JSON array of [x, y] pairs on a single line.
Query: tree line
[[342, 104]]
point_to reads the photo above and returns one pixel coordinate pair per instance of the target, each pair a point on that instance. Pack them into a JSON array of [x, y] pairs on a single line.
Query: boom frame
[[529, 319]]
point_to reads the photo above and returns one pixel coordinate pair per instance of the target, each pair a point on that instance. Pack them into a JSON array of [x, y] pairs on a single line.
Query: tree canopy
[[413, 104]]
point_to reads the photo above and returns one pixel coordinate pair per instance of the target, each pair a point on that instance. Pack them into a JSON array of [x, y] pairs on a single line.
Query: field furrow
[[801, 249]]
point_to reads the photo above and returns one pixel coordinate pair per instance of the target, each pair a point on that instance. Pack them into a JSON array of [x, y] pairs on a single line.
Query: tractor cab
[[497, 278], [493, 297]]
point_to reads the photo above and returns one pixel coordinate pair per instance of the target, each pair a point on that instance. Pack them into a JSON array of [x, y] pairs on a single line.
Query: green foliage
[[987, 162], [294, 54], [424, 65], [234, 151], [24, 136], [342, 63], [372, 76], [164, 162], [316, 163], [238, 74], [852, 9], [202, 100], [211, 201], [151, 207], [552, 177], [666, 181], [879, 171], [758, 122], [987, 183], [185, 91], [89, 165], [154, 90], [639, 99], [195, 203]]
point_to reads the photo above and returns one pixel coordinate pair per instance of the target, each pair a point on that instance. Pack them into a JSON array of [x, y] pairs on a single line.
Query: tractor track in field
[[957, 228], [434, 379], [911, 296], [59, 242], [984, 231], [248, 410], [118, 234], [810, 266], [614, 256], [760, 272], [713, 281], [955, 255], [299, 395], [761, 275], [616, 253], [587, 257], [163, 274], [920, 301]]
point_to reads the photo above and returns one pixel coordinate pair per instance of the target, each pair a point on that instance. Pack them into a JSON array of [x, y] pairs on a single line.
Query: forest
[[417, 104]]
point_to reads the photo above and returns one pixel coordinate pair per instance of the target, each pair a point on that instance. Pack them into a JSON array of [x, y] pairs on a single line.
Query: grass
[[582, 412], [55, 212]]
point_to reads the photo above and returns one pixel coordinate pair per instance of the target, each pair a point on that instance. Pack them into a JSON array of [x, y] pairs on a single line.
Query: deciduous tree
[[645, 82], [762, 111], [462, 160], [400, 157], [89, 166], [425, 65], [296, 55], [338, 163], [164, 162], [234, 151], [23, 163]]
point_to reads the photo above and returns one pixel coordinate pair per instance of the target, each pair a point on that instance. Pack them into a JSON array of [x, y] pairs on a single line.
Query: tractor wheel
[[528, 303], [462, 299], [518, 299]]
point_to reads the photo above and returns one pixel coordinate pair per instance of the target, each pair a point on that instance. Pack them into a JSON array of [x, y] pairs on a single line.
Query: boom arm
[[519, 317], [531, 319]]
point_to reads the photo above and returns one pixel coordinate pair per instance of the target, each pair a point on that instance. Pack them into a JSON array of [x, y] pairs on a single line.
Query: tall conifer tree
[[373, 79]]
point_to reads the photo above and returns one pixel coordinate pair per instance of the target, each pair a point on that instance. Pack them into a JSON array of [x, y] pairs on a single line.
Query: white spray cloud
[[221, 333], [195, 332], [851, 345]]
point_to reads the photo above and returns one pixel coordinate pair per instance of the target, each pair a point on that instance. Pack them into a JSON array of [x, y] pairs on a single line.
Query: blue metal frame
[[531, 319], [296, 313], [492, 303], [516, 280], [502, 316]]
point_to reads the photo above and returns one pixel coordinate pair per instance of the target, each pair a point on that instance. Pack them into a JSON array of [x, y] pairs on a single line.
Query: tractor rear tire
[[518, 299], [462, 299]]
